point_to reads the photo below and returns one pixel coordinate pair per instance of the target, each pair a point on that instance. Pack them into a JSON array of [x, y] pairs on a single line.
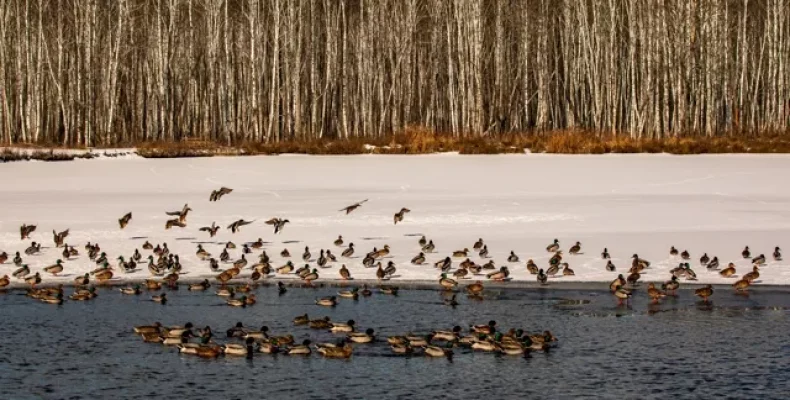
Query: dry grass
[[9, 155]]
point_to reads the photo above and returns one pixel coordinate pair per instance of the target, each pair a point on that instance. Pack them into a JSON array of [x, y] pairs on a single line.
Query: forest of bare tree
[[102, 73]]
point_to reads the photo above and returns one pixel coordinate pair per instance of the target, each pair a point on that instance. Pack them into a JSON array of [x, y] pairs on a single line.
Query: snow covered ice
[[630, 204]]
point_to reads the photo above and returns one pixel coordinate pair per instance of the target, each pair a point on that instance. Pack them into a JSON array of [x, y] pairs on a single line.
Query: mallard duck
[[654, 293], [336, 352], [398, 217], [160, 298], [552, 248], [349, 294], [337, 327], [348, 252], [148, 246], [556, 258], [460, 253], [105, 274], [553, 270], [17, 260], [685, 255], [4, 281], [567, 271], [474, 288], [704, 259], [575, 248], [418, 259], [690, 274], [714, 263], [390, 270], [610, 266], [489, 265], [345, 274], [729, 271], [353, 207], [448, 336], [485, 345], [513, 257], [622, 294], [242, 302], [446, 282], [235, 349], [21, 272], [483, 253], [226, 292], [633, 278], [673, 251], [306, 255], [53, 299], [752, 276], [155, 328], [777, 254], [617, 283], [33, 280], [285, 269], [444, 264], [759, 260], [216, 195], [532, 268], [361, 337], [240, 263], [310, 276], [55, 269], [401, 348], [301, 320], [641, 263], [236, 225], [742, 285], [339, 241], [487, 329], [605, 254], [152, 284], [383, 252], [365, 291], [83, 294], [323, 323], [542, 277], [422, 241], [746, 253], [387, 289], [704, 292], [303, 349], [330, 301], [59, 237], [671, 285], [322, 260], [500, 275], [34, 248], [26, 230], [460, 273], [429, 247]]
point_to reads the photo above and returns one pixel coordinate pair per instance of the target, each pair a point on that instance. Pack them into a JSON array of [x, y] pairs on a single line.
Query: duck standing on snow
[[704, 259], [552, 248], [746, 253], [605, 254], [759, 260], [729, 271], [532, 267], [673, 251], [429, 247], [542, 278], [478, 244], [575, 249], [513, 257], [349, 251], [55, 269], [671, 285], [418, 259], [777, 254], [610, 266]]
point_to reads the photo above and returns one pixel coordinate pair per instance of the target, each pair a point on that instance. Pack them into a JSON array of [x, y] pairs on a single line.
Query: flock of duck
[[244, 341]]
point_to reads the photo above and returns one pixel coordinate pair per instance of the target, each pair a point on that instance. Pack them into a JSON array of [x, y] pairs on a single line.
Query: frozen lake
[[628, 203]]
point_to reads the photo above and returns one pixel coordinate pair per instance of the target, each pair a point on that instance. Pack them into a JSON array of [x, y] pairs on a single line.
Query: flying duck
[[59, 237], [353, 207], [212, 230], [182, 214], [26, 230], [235, 226], [217, 194], [399, 215], [174, 222], [123, 221]]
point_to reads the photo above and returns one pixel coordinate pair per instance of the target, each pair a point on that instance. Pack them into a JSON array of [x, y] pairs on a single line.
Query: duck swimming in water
[[654, 294], [617, 283]]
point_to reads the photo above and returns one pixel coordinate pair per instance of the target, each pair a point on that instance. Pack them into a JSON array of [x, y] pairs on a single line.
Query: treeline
[[108, 72]]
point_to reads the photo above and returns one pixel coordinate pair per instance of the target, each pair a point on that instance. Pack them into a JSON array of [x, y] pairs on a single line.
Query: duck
[[147, 246], [236, 225], [33, 280], [532, 267], [50, 299], [622, 294], [654, 293], [55, 269], [338, 327], [704, 259], [330, 301], [742, 285], [390, 270], [690, 274], [752, 276], [281, 288], [759, 260], [200, 285], [714, 263], [321, 259], [487, 329], [306, 255], [553, 270], [673, 251], [500, 275], [460, 253], [160, 298], [777, 254], [605, 254], [556, 258], [704, 292], [361, 337], [422, 241], [610, 266], [446, 282], [155, 328], [444, 264], [429, 247], [301, 320], [25, 231], [339, 241], [353, 207], [323, 323], [21, 272], [640, 262], [418, 259], [542, 277], [4, 281], [380, 273], [567, 271], [285, 253], [82, 280], [513, 257], [302, 349], [461, 273], [285, 269], [746, 253], [258, 244], [452, 301], [478, 244], [365, 291], [34, 248], [489, 265], [17, 260], [729, 271], [474, 288], [310, 276], [202, 254], [398, 217], [345, 274], [552, 248], [349, 251], [575, 248], [381, 253], [617, 283], [685, 255], [387, 289], [240, 263], [671, 285], [131, 290], [336, 352], [261, 334], [633, 278], [83, 294], [242, 302], [152, 284], [349, 294], [59, 237], [483, 252]]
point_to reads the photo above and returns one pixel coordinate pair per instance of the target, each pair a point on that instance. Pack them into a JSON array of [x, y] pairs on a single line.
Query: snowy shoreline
[[714, 204]]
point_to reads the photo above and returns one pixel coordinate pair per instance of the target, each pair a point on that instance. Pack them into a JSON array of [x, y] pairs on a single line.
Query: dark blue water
[[736, 347]]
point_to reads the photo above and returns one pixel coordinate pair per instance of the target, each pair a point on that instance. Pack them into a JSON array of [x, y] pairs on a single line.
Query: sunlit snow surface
[[628, 203]]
